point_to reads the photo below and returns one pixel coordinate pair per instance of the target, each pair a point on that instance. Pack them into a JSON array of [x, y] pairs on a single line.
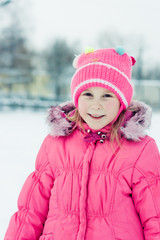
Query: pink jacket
[[85, 189]]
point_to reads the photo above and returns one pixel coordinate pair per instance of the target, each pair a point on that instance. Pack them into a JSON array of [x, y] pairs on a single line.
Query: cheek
[[82, 106], [112, 107], [108, 106]]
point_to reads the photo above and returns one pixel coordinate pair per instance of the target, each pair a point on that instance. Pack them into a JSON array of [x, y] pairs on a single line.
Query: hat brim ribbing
[[102, 75]]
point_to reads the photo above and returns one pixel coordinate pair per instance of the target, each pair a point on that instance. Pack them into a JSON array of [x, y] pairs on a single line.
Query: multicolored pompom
[[89, 50], [120, 50], [75, 61]]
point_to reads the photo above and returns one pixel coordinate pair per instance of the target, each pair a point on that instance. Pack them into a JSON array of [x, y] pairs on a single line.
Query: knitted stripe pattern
[[103, 68]]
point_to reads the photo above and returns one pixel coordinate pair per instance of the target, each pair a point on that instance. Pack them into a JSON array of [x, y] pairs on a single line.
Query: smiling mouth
[[94, 116]]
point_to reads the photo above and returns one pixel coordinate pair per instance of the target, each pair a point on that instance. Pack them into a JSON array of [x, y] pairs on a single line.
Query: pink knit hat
[[108, 68]]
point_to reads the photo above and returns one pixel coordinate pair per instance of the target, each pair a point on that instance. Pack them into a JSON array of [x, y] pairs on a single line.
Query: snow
[[21, 134]]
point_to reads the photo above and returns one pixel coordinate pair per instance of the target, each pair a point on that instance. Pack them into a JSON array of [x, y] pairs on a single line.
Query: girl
[[97, 174]]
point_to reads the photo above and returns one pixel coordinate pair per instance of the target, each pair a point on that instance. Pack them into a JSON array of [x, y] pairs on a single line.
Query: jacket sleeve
[[27, 223], [146, 190]]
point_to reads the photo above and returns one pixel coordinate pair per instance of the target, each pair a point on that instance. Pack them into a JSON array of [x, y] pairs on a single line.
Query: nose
[[96, 105]]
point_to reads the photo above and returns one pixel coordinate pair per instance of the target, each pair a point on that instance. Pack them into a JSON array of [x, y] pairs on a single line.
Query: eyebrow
[[109, 92], [105, 91], [87, 91]]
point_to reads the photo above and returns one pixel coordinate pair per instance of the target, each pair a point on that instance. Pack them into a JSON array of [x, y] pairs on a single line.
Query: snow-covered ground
[[21, 134]]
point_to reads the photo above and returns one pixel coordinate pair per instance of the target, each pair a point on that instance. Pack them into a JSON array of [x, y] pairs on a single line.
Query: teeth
[[96, 116]]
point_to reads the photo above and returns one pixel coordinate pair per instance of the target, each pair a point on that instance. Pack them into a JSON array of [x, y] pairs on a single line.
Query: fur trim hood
[[133, 127]]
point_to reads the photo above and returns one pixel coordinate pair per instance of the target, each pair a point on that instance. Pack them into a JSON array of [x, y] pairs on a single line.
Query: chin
[[96, 128]]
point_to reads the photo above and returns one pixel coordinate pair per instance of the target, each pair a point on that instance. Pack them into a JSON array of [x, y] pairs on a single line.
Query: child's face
[[98, 107]]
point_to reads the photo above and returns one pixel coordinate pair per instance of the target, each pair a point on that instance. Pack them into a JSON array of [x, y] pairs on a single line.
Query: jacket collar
[[133, 128]]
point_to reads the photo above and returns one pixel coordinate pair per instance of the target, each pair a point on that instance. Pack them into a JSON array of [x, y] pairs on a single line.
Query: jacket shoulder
[[149, 158]]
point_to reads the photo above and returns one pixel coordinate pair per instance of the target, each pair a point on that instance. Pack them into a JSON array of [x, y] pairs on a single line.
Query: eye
[[87, 94], [107, 95]]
